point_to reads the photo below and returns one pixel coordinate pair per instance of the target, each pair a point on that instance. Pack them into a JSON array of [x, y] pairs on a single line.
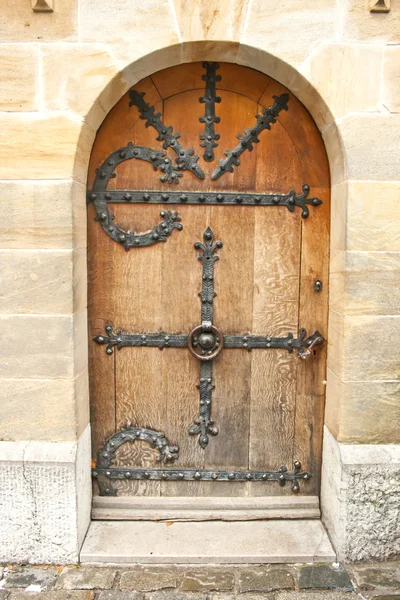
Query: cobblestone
[[208, 579], [321, 577], [86, 578], [23, 577], [378, 576], [4, 594], [115, 595], [149, 579], [266, 579], [53, 595]]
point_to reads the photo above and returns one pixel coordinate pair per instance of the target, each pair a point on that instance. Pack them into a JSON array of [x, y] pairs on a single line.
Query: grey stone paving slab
[[4, 594], [386, 597], [316, 596], [321, 577], [115, 595], [86, 578], [22, 577], [208, 579], [378, 576], [266, 579], [54, 595], [176, 596], [149, 579], [261, 596]]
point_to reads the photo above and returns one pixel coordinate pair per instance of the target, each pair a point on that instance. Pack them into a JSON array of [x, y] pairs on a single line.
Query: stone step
[[275, 541]]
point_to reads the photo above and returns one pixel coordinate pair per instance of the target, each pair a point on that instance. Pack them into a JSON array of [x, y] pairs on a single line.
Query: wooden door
[[267, 404]]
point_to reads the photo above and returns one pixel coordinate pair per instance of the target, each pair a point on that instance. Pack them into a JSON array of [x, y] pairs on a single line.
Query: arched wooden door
[[229, 387]]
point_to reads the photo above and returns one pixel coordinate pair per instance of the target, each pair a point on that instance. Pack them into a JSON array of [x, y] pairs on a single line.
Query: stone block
[[391, 78], [42, 215], [366, 283], [272, 26], [85, 578], [335, 342], [266, 579], [387, 597], [53, 595], [40, 347], [23, 577], [339, 199], [115, 595], [208, 579], [316, 596], [4, 594], [347, 76], [337, 155], [32, 410], [371, 348], [152, 22], [149, 579], [373, 216], [43, 519], [19, 66], [360, 499], [74, 77], [322, 577], [368, 413], [44, 147], [380, 576], [40, 282], [81, 396], [168, 595], [211, 20], [19, 24], [79, 280], [371, 144], [360, 25]]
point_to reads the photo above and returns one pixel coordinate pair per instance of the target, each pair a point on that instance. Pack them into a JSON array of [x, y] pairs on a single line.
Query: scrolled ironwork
[[186, 159], [281, 476], [209, 100], [130, 434], [267, 117]]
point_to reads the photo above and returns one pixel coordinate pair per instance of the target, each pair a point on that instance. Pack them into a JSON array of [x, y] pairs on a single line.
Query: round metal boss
[[209, 342]]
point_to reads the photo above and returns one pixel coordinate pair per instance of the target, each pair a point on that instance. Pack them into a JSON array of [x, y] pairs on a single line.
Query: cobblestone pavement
[[380, 581]]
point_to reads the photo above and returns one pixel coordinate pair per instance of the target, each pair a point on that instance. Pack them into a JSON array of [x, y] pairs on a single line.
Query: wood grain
[[268, 404]]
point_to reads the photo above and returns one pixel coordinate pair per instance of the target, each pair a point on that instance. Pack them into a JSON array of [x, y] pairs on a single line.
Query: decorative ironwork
[[290, 200], [317, 285], [282, 476], [130, 434], [209, 99], [250, 137], [205, 341], [186, 160]]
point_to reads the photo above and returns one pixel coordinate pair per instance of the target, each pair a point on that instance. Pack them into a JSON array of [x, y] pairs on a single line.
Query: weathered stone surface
[[149, 579], [31, 410], [49, 353], [391, 78], [19, 66], [310, 22], [316, 596], [387, 597], [4, 594], [378, 576], [363, 359], [208, 20], [339, 74], [370, 281], [361, 25], [373, 216], [218, 579], [321, 577], [64, 70], [153, 23], [371, 161], [266, 579], [85, 578], [116, 595], [42, 215], [22, 577], [33, 146], [19, 24], [336, 153], [37, 282], [53, 595], [176, 596], [263, 596]]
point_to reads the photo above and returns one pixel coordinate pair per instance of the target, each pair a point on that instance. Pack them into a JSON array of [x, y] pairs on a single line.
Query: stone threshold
[[206, 542]]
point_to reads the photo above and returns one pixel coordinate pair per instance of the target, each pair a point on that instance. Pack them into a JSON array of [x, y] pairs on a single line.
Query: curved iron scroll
[[131, 434], [100, 197]]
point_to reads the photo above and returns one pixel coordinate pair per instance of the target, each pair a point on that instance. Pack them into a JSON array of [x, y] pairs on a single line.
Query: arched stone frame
[[288, 76]]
